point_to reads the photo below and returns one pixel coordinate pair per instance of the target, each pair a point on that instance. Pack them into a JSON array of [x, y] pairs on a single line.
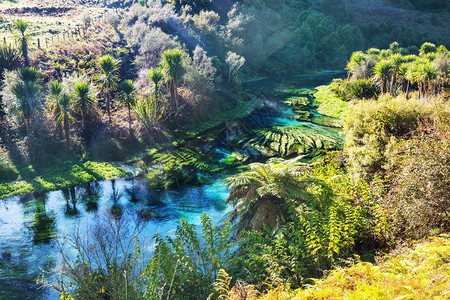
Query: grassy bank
[[58, 175], [329, 104]]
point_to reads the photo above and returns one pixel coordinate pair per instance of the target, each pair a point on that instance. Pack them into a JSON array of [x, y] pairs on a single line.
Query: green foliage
[[329, 103], [84, 97], [180, 166], [363, 89], [108, 78], [9, 58], [259, 195], [324, 225], [8, 172], [59, 175], [187, 265], [288, 140], [28, 93], [148, 112], [173, 68], [156, 76], [297, 102], [373, 130]]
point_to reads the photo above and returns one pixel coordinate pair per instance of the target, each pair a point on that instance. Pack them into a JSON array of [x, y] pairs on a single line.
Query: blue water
[[27, 260], [22, 260]]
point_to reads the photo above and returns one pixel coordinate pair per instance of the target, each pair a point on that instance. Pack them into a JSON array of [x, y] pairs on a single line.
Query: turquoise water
[[26, 260], [27, 252]]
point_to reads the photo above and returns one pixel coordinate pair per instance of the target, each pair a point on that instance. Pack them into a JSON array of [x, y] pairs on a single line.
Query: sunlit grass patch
[[329, 104]]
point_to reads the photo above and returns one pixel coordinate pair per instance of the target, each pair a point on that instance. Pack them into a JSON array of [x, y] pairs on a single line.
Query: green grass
[[61, 174], [329, 104]]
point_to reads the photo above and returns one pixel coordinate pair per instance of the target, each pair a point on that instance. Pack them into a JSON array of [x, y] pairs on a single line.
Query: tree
[[155, 76], [128, 97], [383, 71], [426, 74], [235, 63], [172, 66], [22, 26], [395, 61], [259, 195], [55, 90], [108, 78], [27, 91], [63, 112], [84, 100]]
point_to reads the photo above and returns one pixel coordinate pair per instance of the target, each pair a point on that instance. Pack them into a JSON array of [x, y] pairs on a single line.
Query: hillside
[[274, 36]]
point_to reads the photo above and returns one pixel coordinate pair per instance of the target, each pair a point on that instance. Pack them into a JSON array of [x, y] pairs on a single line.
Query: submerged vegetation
[[321, 180]]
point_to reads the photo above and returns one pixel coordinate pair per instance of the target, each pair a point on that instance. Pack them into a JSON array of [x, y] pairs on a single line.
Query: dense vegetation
[[291, 221], [141, 86]]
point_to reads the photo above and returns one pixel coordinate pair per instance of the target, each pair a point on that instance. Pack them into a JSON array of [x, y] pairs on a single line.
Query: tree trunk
[[108, 108], [407, 89], [66, 131], [175, 92], [27, 124], [172, 94], [129, 118], [25, 51], [383, 86]]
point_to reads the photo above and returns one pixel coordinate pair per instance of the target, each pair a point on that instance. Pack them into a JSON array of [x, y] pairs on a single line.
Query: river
[[27, 223]]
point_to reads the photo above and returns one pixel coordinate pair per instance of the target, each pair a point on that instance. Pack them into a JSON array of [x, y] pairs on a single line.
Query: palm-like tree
[[22, 26], [395, 61], [27, 91], [426, 74], [148, 112], [128, 97], [259, 195], [108, 78], [172, 65], [65, 114], [9, 60], [55, 89], [84, 100], [383, 72], [156, 76]]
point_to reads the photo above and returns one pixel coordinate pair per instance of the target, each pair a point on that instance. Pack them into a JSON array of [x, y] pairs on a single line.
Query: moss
[[297, 102], [302, 115], [240, 110], [327, 121], [180, 166], [62, 174], [289, 140]]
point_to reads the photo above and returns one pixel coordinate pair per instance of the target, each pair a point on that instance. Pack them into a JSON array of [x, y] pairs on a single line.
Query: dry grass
[[420, 272]]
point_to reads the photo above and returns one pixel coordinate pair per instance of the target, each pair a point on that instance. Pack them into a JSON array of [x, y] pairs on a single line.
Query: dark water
[[26, 222]]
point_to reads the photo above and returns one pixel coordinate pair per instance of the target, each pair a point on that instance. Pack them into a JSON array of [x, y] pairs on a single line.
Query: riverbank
[[68, 172], [59, 175]]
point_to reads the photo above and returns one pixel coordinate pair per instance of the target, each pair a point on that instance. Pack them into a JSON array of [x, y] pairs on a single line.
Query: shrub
[[8, 172], [363, 89], [374, 128], [418, 201]]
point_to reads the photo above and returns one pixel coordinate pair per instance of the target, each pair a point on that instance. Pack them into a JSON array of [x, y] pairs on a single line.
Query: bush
[[324, 226], [363, 89], [373, 130], [8, 172], [418, 202]]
